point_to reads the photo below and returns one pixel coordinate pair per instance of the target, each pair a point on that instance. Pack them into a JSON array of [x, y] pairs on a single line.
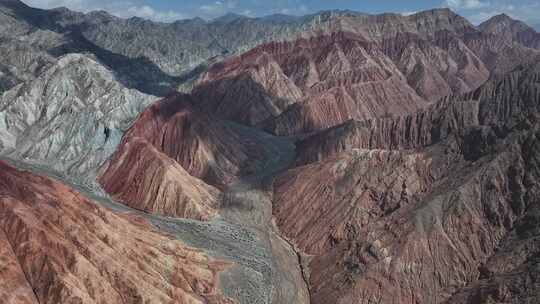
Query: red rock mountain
[[415, 209], [362, 67], [174, 160], [59, 247], [416, 167]]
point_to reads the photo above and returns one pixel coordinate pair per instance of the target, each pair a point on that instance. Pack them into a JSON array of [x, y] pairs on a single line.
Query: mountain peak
[[439, 13], [501, 23]]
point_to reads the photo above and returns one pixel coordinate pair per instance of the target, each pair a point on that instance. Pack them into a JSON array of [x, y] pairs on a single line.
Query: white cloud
[[298, 10], [408, 13], [217, 8], [148, 12], [122, 8], [478, 11], [527, 13], [466, 4], [248, 13]]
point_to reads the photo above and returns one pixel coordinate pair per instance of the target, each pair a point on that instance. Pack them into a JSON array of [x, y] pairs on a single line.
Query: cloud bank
[[120, 8]]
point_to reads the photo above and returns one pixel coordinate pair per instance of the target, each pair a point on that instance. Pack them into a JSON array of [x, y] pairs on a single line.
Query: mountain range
[[338, 157]]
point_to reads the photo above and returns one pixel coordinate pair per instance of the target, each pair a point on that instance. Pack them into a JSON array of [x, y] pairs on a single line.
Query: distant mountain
[[513, 30], [229, 17]]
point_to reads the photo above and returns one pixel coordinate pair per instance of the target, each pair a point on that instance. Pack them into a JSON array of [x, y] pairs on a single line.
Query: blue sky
[[170, 10]]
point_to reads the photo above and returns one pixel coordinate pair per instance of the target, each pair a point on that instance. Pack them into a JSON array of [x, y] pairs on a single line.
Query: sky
[[170, 10]]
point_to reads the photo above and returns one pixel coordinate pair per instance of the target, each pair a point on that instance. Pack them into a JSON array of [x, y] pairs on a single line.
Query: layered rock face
[[350, 67], [63, 248], [171, 156], [144, 178], [393, 227], [434, 215], [339, 75]]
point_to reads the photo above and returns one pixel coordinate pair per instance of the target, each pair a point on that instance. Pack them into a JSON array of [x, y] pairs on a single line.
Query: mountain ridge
[[334, 157]]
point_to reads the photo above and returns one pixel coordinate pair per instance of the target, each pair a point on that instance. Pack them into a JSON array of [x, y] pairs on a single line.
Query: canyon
[[339, 157]]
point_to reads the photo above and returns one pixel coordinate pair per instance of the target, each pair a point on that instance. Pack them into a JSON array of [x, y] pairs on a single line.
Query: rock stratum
[[339, 157]]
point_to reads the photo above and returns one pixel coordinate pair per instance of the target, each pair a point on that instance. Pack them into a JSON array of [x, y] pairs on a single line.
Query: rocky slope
[[144, 178], [499, 104], [339, 75], [510, 275], [430, 218], [435, 62], [71, 117], [171, 156], [63, 248]]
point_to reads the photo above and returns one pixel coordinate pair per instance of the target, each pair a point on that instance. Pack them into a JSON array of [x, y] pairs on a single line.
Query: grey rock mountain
[[70, 117], [151, 56]]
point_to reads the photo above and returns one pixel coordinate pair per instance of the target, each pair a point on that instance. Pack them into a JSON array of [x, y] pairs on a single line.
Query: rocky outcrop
[[154, 56], [70, 118], [208, 148], [498, 54], [413, 131], [363, 67], [411, 184], [403, 227], [355, 67], [435, 68], [360, 67], [72, 250]]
